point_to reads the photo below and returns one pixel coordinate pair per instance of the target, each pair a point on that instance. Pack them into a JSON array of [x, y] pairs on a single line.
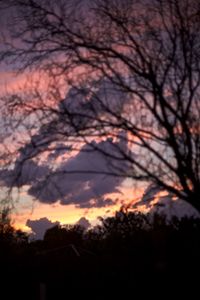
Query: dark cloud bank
[[40, 226], [83, 179]]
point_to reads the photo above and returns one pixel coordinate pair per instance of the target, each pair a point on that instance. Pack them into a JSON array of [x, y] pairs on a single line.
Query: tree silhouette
[[64, 236], [6, 229], [134, 72]]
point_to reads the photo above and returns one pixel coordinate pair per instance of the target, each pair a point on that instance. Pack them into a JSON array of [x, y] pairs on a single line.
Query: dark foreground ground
[[124, 259]]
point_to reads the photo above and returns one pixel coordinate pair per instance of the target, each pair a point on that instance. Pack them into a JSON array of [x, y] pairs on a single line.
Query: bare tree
[[132, 70]]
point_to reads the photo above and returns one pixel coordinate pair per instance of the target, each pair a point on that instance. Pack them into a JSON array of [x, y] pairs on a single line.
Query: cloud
[[99, 202], [40, 226], [85, 179], [25, 173], [150, 193], [26, 170], [83, 222], [166, 204], [86, 105], [174, 207]]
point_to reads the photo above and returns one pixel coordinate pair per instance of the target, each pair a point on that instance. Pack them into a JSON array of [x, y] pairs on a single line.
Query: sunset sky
[[118, 191], [69, 129]]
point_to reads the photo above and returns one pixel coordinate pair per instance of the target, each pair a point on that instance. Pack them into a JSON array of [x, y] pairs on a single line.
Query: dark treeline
[[130, 254]]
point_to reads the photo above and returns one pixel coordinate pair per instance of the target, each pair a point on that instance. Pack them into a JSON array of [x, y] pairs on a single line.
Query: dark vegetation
[[130, 254]]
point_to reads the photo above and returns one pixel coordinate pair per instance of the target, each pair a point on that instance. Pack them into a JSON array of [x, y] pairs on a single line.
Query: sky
[[86, 195], [83, 195], [27, 209], [49, 190]]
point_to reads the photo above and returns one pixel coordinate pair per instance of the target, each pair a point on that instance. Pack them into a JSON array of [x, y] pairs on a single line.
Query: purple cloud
[[83, 222], [89, 177], [40, 226], [85, 179], [166, 204]]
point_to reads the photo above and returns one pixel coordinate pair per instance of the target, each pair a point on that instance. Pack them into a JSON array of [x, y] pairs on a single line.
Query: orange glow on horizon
[[70, 214]]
